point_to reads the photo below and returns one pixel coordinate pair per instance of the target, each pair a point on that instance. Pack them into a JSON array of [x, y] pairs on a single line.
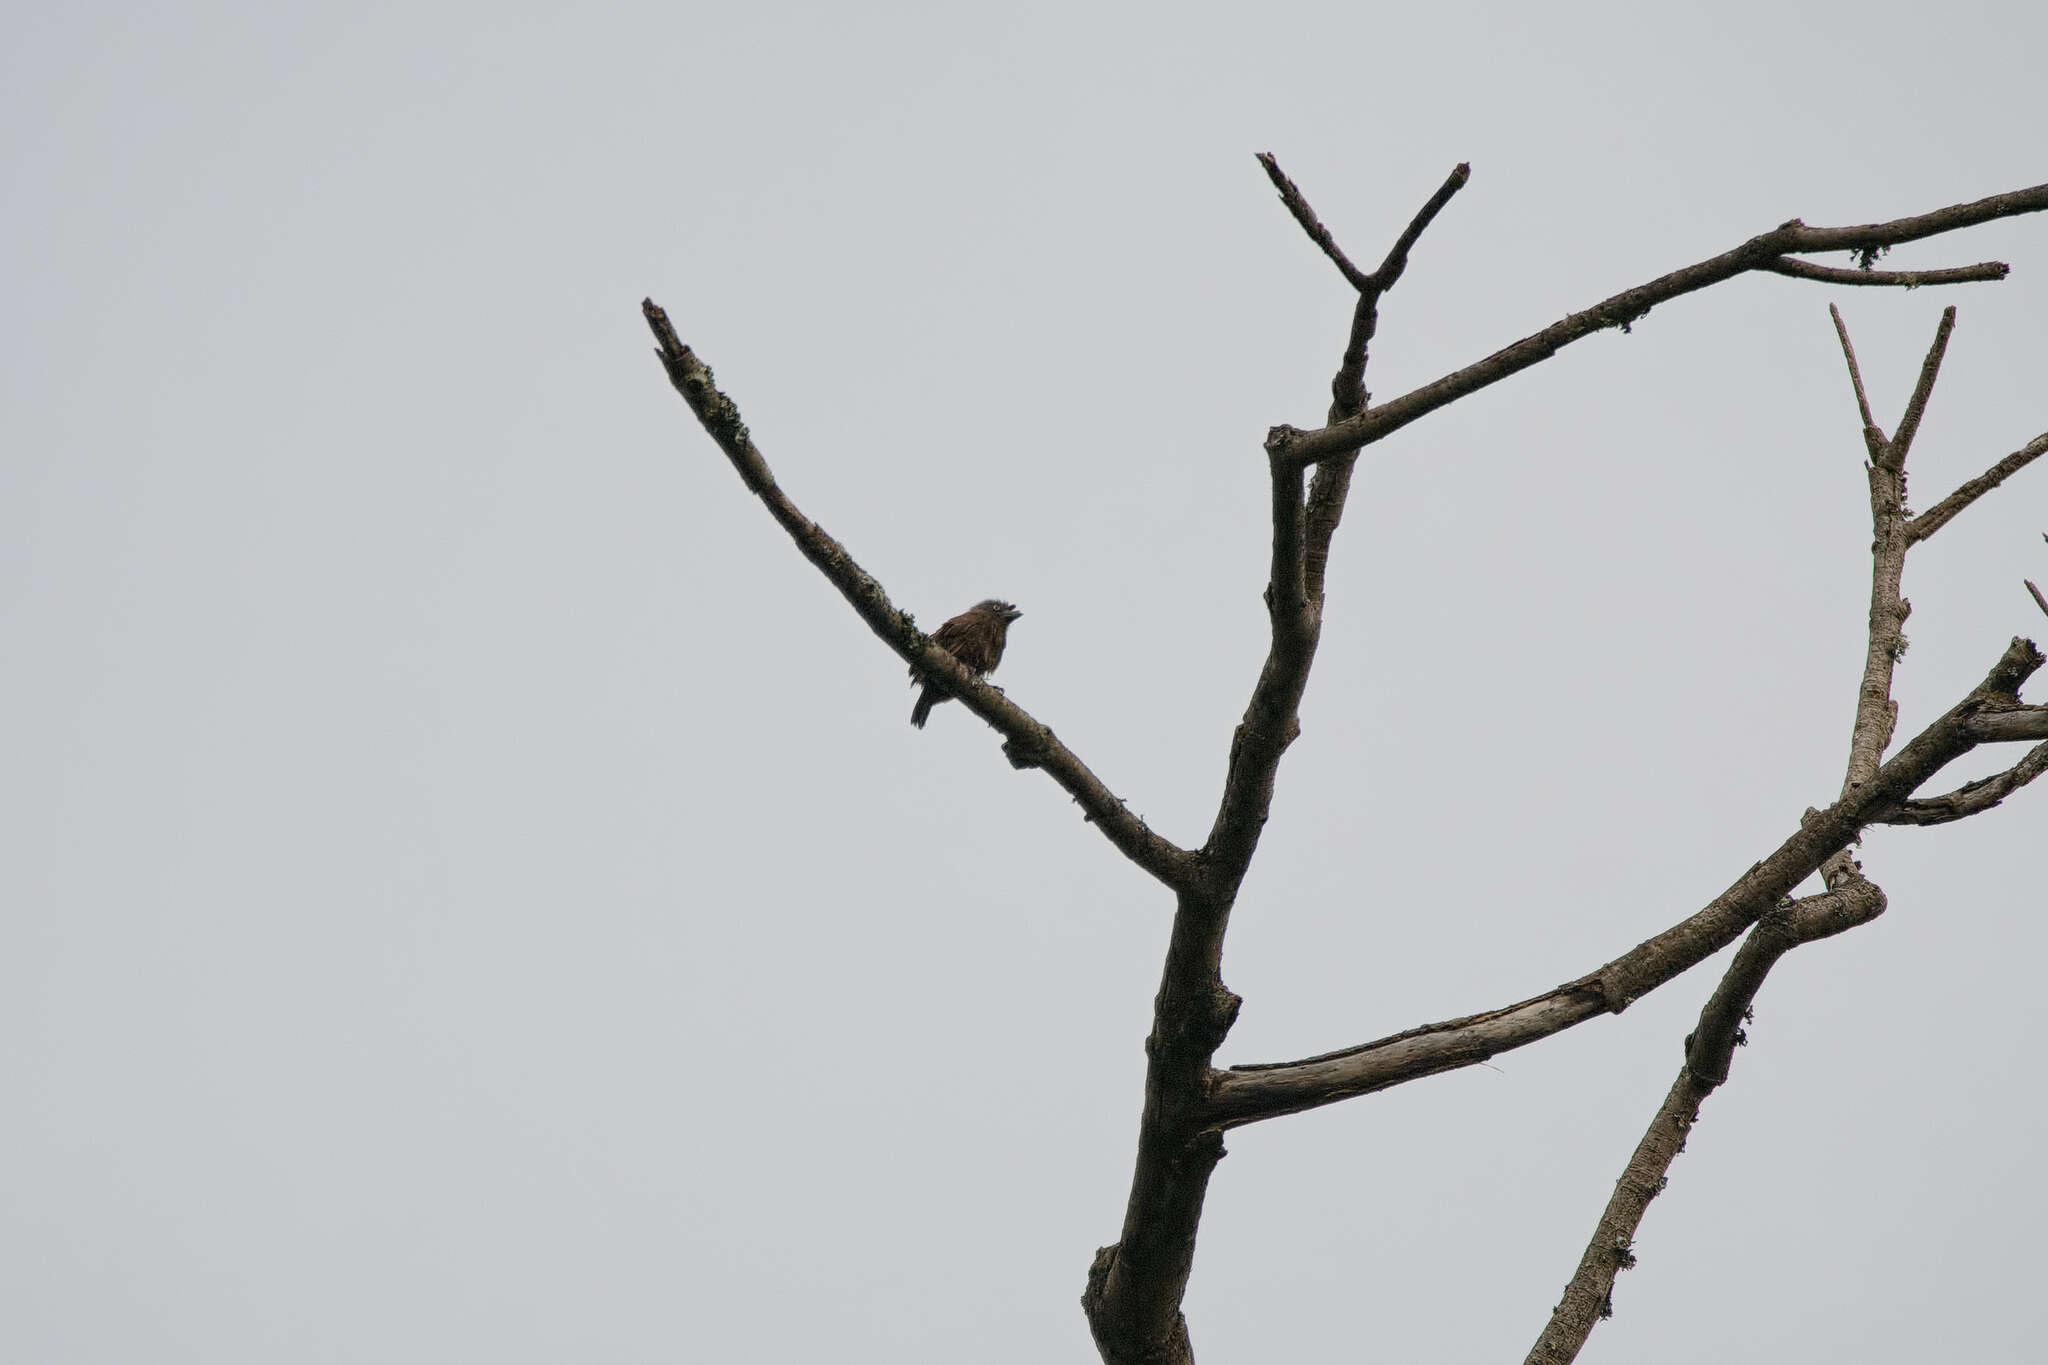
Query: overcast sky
[[471, 891]]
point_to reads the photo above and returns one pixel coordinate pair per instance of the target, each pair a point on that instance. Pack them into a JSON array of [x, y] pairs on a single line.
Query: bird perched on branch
[[974, 637]]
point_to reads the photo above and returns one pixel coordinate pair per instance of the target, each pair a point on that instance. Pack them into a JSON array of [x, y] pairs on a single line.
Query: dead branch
[[1923, 387], [1250, 1093], [1850, 900], [1876, 715], [1972, 798], [1027, 736], [1982, 273], [1873, 435], [1312, 225], [1135, 1288], [1623, 309], [1943, 512], [1709, 1050]]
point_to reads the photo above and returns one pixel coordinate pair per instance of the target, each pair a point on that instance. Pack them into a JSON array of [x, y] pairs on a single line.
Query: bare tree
[[1135, 1286]]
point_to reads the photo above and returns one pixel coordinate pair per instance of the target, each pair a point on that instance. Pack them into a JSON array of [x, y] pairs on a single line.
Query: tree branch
[[1396, 259], [1923, 388], [1135, 1287], [1301, 545], [1850, 900], [1943, 512], [1348, 395], [1877, 715], [1983, 273], [1971, 798], [1312, 225], [1030, 743], [1247, 1094], [1873, 434], [1589, 1296], [1620, 310]]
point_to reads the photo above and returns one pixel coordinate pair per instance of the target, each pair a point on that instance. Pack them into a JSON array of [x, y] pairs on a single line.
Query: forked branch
[[1249, 1093], [1982, 273], [1303, 529], [1873, 434], [1850, 900], [1761, 252], [1135, 1286], [1709, 1050], [1877, 714]]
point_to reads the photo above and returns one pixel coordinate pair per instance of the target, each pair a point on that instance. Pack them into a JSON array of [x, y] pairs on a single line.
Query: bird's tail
[[922, 712]]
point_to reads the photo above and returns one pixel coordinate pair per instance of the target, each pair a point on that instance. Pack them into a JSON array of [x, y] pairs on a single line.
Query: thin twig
[[2039, 601], [1982, 273], [1396, 259], [1971, 798], [1872, 433], [1297, 205], [1916, 406]]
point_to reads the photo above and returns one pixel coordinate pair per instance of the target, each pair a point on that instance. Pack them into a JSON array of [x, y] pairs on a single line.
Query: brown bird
[[974, 637]]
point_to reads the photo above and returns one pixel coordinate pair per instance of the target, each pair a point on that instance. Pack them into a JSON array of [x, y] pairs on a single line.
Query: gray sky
[[473, 894]]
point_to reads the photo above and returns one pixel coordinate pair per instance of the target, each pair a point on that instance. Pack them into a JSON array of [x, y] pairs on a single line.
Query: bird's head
[[996, 607]]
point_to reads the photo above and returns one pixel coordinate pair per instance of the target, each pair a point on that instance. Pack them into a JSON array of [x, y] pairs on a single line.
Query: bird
[[974, 637]]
